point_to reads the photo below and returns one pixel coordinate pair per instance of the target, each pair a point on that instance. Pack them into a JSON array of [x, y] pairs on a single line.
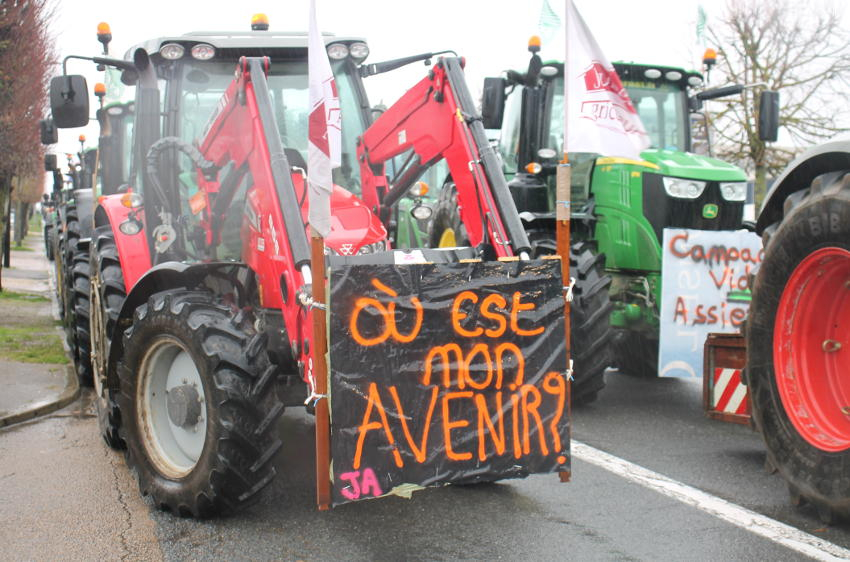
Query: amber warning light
[[259, 22]]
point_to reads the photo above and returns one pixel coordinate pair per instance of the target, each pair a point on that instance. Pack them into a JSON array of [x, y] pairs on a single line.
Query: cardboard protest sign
[[705, 289], [445, 373]]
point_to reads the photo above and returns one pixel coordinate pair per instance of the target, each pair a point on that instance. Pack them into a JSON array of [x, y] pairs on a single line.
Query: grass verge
[[31, 344]]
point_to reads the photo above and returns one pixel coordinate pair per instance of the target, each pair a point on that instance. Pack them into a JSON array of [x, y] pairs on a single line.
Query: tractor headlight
[[202, 51], [372, 248], [337, 51], [734, 190], [421, 212], [172, 51], [683, 188], [359, 51]]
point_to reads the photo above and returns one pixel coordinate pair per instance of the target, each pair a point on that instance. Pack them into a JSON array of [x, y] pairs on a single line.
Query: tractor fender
[[828, 157], [162, 277], [133, 250]]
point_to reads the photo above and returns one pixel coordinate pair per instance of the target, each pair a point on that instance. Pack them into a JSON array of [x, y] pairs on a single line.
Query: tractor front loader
[[201, 283]]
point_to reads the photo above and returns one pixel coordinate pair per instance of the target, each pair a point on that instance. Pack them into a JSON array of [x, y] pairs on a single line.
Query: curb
[[71, 393]]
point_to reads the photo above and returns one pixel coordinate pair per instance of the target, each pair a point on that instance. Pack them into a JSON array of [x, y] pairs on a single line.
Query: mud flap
[[445, 373]]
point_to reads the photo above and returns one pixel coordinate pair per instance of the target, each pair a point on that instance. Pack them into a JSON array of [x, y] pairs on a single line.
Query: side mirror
[[69, 101], [768, 116], [49, 133], [50, 163], [721, 92], [493, 102]]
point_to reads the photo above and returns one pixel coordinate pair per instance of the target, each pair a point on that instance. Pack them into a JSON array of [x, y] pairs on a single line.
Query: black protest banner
[[445, 373]]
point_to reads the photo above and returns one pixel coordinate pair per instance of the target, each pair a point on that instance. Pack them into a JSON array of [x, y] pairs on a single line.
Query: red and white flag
[[325, 132], [599, 115]]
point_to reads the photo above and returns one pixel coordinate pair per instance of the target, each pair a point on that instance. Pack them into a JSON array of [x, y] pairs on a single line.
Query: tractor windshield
[[203, 84], [661, 108]]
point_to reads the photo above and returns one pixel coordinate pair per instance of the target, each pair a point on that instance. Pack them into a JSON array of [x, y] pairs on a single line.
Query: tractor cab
[[179, 82]]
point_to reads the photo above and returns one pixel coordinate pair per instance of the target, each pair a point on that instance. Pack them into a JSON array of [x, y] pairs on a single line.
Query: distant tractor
[[619, 207]]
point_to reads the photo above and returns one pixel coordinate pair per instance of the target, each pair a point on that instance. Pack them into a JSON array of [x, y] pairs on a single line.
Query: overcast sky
[[491, 34]]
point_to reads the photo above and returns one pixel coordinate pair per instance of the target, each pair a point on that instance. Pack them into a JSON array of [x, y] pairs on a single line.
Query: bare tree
[[797, 48], [25, 56]]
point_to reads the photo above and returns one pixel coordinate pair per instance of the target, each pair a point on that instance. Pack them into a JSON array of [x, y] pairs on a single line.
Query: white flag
[[600, 116], [323, 148]]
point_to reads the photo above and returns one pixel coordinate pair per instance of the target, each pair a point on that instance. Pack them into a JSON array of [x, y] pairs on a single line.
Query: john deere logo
[[709, 211]]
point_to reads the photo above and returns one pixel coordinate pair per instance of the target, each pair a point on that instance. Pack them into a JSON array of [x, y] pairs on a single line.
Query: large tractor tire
[[798, 341], [198, 404], [67, 250], [591, 332], [107, 295], [79, 294], [590, 329]]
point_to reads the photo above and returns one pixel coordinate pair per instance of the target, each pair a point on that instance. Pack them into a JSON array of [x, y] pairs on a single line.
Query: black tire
[[447, 218], [590, 328], [591, 333], [636, 353], [80, 297], [816, 218], [67, 251], [241, 406], [48, 241], [107, 295]]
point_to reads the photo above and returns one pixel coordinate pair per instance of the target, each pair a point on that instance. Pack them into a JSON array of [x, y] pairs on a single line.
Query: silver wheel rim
[[174, 449]]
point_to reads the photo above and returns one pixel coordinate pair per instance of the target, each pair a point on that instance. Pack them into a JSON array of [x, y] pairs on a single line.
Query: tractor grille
[[662, 211]]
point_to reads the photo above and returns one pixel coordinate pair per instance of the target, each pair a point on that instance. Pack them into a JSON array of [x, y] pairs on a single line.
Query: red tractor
[[798, 330], [200, 270]]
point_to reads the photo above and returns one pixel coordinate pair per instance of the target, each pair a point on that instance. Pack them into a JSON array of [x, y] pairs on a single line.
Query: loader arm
[[437, 119], [243, 143]]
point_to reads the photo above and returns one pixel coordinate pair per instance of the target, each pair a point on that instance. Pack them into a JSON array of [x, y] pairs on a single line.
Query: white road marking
[[742, 517]]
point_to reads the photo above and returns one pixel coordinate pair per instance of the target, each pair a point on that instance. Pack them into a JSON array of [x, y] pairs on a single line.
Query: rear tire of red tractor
[[108, 293], [799, 319], [198, 404]]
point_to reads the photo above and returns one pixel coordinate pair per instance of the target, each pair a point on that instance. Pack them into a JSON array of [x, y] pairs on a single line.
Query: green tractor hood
[[694, 166]]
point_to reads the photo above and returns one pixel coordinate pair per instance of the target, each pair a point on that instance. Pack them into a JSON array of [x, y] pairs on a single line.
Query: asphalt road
[[63, 492]]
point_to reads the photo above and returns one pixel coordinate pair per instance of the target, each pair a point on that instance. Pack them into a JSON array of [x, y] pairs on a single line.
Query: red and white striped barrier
[[725, 395], [728, 393]]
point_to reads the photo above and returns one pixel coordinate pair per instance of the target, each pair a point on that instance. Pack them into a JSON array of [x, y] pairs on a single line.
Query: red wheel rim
[[811, 353]]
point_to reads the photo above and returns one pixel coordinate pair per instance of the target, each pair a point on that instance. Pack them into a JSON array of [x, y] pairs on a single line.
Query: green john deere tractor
[[620, 207]]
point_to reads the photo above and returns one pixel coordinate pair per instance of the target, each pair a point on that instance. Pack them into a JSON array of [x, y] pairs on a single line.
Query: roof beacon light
[[259, 22], [534, 44], [172, 51], [337, 51], [709, 57], [82, 138], [100, 90], [104, 33], [359, 51], [203, 51]]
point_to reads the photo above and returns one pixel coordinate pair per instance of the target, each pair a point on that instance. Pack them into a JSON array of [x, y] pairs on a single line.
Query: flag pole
[[562, 219], [320, 371]]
